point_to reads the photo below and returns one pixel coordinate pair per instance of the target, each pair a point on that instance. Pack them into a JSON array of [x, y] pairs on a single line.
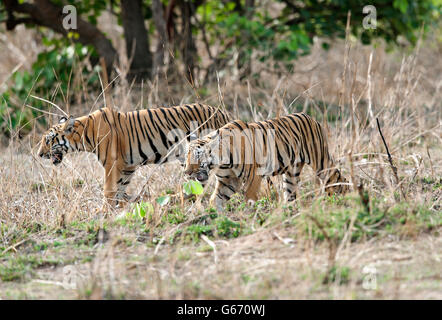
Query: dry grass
[[320, 249]]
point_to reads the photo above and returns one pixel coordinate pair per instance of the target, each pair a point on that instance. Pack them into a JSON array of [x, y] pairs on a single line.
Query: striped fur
[[124, 141], [281, 145]]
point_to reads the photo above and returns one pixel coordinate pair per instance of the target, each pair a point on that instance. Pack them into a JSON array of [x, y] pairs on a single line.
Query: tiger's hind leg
[[225, 187], [291, 181]]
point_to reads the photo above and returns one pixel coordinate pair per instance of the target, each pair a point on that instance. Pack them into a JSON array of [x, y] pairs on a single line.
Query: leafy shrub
[[49, 78], [227, 228]]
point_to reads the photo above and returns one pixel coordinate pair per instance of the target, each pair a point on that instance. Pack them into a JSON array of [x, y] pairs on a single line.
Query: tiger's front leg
[[253, 189], [111, 176], [291, 181], [116, 180], [225, 187]]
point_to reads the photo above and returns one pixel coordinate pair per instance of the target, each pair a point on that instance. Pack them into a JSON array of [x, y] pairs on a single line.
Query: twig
[[286, 241], [15, 245], [365, 199], [51, 103], [344, 72], [157, 248], [390, 160], [431, 162], [212, 245], [105, 84]]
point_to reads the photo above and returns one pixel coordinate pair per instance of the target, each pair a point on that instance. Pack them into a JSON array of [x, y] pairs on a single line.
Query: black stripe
[[227, 186], [140, 149], [152, 146], [140, 125]]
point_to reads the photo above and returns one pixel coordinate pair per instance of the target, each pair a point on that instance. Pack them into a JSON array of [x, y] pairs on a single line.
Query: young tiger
[[243, 153], [124, 141]]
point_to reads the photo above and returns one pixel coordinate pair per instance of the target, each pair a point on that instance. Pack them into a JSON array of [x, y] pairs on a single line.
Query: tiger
[[124, 141], [241, 154]]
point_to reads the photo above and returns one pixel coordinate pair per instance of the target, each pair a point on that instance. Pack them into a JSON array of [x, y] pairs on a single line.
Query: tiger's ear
[[63, 120], [69, 125]]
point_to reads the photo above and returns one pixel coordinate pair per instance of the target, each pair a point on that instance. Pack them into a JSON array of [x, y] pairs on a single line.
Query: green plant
[[18, 268], [227, 228], [337, 273], [174, 216], [284, 35], [163, 200], [140, 210], [193, 187], [196, 230], [236, 203]]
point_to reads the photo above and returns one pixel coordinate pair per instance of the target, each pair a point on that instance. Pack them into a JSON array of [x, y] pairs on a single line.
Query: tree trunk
[[188, 45], [244, 62], [45, 13], [137, 41], [162, 46]]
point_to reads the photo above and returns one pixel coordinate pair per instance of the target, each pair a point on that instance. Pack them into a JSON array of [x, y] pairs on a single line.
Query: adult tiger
[[124, 141], [243, 153]]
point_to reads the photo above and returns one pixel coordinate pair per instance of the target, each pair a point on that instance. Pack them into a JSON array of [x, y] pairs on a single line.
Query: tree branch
[[45, 13]]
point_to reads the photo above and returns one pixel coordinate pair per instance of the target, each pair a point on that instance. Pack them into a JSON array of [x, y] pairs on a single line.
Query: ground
[[59, 248]]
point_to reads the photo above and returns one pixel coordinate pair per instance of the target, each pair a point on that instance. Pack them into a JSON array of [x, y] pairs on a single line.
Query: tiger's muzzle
[[55, 156], [201, 176]]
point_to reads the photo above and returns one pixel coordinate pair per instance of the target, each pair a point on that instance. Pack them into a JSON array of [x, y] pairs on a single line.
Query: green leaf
[[162, 201], [193, 187], [18, 81], [402, 5], [142, 209]]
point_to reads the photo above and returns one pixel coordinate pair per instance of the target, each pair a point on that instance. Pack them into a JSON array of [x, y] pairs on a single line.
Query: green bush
[[50, 78]]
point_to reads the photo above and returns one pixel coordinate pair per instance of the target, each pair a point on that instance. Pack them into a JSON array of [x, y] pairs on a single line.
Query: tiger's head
[[56, 142], [199, 159], [336, 184]]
